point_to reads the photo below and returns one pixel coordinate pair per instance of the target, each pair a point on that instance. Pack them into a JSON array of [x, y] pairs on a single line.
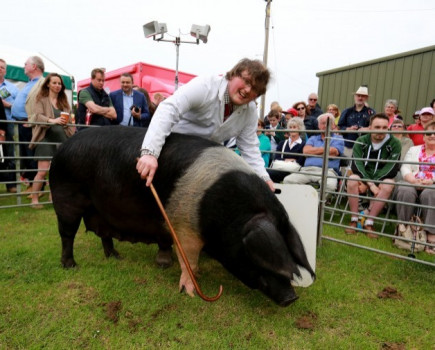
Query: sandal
[[430, 250]]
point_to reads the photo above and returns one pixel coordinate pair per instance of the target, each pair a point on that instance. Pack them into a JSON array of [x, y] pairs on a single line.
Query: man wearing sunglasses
[[313, 106]]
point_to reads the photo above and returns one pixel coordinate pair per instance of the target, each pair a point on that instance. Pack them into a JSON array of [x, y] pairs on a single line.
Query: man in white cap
[[356, 117]]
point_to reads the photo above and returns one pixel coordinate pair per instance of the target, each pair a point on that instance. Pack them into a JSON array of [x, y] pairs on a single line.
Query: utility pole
[[266, 49]]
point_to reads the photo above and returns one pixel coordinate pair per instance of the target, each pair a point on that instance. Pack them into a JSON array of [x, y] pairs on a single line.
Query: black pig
[[212, 197]]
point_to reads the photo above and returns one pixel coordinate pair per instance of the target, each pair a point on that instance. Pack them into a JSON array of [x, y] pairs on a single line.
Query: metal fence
[[13, 173], [333, 205]]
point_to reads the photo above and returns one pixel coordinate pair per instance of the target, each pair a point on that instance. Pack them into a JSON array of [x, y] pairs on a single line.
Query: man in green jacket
[[369, 153]]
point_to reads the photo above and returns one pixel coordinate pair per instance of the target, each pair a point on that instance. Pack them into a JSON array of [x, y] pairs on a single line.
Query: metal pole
[[177, 46], [266, 49], [322, 189]]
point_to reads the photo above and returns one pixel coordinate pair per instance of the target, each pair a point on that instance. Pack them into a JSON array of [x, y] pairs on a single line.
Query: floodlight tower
[[266, 49], [157, 31]]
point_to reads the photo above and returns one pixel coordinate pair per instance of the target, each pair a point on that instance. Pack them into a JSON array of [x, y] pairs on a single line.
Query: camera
[[135, 108]]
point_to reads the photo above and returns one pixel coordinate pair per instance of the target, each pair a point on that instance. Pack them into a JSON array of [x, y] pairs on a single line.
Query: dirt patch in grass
[[112, 310], [140, 281], [166, 308], [389, 293], [307, 321], [393, 346]]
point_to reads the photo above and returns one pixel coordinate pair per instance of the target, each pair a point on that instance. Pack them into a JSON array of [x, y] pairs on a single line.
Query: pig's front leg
[[192, 244]]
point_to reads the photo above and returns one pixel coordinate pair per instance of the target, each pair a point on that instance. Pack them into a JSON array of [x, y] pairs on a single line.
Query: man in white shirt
[[217, 108]]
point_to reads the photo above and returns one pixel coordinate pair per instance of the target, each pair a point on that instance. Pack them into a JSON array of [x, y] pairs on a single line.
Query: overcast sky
[[306, 37]]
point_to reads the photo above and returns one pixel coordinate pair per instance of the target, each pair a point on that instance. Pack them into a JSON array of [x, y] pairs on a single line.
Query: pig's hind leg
[[67, 231]]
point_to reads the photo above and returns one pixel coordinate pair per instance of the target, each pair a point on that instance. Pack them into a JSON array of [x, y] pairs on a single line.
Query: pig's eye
[[262, 281]]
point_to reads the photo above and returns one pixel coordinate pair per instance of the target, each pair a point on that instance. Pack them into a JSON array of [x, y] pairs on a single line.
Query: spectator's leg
[[427, 197], [384, 193], [43, 166], [408, 195], [331, 182], [9, 151], [353, 184], [297, 178], [29, 164]]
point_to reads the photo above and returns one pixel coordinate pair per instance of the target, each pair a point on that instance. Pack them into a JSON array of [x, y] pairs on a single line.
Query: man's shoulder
[[314, 138], [369, 111], [12, 88], [116, 92], [84, 96], [364, 139], [394, 141], [347, 110], [337, 137]]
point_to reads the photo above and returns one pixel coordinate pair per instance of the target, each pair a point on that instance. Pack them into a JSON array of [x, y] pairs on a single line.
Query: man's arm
[[358, 166], [390, 169], [108, 112], [342, 121], [185, 99], [6, 104], [309, 149]]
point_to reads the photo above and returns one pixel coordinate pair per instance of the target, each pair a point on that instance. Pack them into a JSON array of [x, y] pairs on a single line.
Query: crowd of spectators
[[376, 153], [46, 119]]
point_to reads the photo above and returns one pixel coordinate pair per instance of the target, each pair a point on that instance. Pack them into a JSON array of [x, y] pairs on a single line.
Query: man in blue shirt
[[8, 93], [312, 169], [33, 68], [130, 105]]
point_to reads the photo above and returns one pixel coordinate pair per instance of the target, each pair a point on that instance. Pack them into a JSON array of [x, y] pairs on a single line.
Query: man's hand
[[375, 189], [136, 114], [271, 186], [6, 104], [147, 166]]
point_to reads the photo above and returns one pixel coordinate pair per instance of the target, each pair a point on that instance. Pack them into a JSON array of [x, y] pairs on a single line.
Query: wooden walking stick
[[180, 249]]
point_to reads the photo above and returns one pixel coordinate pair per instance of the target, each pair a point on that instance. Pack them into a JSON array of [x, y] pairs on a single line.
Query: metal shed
[[408, 77]]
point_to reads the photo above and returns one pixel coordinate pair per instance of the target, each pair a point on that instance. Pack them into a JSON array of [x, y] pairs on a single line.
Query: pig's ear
[[297, 250], [266, 248]]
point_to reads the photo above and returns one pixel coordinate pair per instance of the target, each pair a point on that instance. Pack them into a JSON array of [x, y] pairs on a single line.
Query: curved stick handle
[[180, 249]]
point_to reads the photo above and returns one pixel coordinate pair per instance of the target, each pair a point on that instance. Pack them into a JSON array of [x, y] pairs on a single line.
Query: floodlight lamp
[[154, 28], [200, 32]]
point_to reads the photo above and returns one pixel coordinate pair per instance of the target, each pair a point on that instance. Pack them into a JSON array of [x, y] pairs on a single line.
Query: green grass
[[131, 304]]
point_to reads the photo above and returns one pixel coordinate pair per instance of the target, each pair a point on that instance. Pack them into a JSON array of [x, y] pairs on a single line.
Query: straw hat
[[362, 90]]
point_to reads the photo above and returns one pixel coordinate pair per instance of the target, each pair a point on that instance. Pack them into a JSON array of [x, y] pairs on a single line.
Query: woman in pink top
[[422, 176]]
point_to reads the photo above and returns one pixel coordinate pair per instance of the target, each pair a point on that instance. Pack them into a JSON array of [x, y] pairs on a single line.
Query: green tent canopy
[[17, 74]]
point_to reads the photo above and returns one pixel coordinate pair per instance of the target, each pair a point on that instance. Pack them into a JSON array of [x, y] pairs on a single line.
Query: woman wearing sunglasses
[[422, 176], [304, 113]]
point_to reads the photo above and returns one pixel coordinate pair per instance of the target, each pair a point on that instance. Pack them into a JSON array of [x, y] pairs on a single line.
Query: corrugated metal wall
[[408, 77]]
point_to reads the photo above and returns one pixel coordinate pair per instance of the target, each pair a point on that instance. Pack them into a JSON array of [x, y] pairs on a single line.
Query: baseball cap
[[427, 110], [292, 111]]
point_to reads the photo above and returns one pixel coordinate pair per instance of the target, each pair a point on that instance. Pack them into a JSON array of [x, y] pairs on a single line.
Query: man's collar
[[227, 99], [124, 94]]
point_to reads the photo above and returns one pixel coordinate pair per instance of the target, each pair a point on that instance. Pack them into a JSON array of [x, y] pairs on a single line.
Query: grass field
[[360, 300]]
